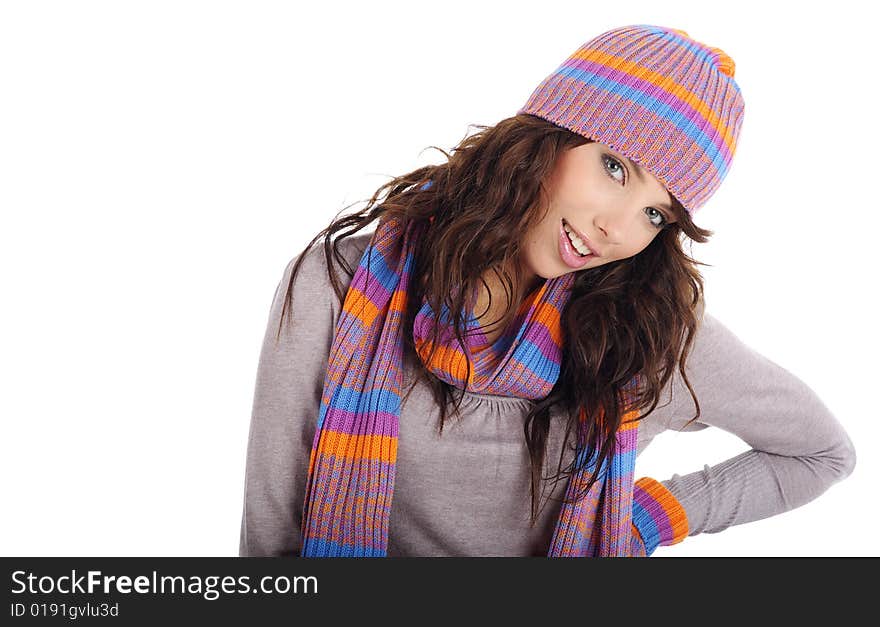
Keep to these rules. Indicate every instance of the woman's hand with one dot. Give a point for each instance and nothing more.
(637, 547)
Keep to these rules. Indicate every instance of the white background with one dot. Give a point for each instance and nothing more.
(161, 162)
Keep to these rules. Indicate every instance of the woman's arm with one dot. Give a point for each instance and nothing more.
(287, 396)
(799, 449)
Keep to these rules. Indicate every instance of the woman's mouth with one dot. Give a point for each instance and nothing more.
(570, 255)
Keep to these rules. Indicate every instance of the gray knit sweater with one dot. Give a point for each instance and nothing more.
(466, 493)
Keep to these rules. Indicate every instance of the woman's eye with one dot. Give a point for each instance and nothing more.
(617, 166)
(660, 215)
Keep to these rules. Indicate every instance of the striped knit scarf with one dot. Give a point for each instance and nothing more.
(352, 463)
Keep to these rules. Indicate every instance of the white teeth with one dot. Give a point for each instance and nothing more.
(576, 241)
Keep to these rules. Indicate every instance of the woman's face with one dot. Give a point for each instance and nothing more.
(616, 205)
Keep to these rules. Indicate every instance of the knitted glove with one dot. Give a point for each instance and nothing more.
(637, 547)
(658, 519)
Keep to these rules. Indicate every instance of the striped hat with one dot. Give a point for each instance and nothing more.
(657, 96)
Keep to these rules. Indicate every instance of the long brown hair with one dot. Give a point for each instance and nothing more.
(634, 317)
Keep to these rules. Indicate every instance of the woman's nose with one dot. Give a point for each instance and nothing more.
(610, 226)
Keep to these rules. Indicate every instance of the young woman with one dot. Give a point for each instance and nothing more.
(478, 374)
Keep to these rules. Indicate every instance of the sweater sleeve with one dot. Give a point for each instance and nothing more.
(798, 448)
(287, 397)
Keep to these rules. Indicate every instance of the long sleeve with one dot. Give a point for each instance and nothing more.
(798, 448)
(287, 396)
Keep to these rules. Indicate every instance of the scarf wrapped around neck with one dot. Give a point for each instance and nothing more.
(350, 482)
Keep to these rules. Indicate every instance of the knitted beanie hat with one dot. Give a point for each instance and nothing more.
(658, 97)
